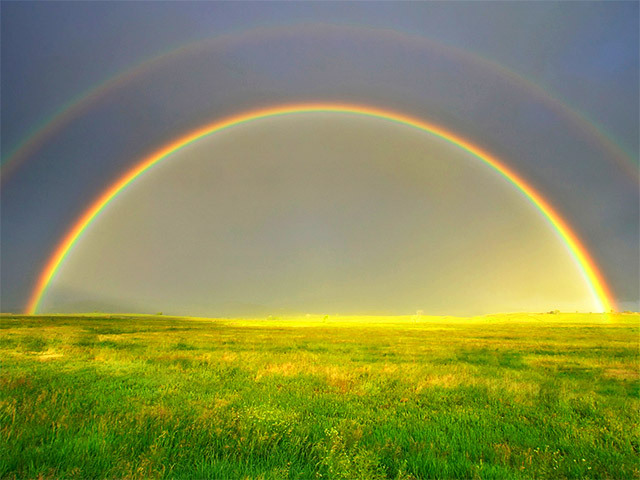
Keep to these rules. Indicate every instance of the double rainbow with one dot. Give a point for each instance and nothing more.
(594, 279)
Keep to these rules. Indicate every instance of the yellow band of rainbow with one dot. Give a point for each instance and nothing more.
(599, 290)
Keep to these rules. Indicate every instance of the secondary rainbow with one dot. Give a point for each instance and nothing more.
(590, 272)
(81, 103)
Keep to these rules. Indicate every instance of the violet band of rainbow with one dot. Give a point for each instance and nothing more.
(591, 274)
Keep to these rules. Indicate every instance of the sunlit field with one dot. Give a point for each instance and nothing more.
(511, 396)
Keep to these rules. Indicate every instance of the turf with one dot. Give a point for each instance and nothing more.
(511, 396)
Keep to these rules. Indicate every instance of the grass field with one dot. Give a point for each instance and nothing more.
(512, 396)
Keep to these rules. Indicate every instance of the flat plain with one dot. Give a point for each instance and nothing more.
(502, 396)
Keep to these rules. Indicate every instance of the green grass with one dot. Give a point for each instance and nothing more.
(512, 396)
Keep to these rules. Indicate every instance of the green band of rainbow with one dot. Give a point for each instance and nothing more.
(594, 279)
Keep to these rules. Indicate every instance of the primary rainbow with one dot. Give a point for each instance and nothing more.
(594, 279)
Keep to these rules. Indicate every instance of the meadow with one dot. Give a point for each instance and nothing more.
(505, 396)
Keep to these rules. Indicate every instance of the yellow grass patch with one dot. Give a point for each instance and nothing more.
(171, 357)
(548, 361)
(503, 452)
(389, 369)
(155, 411)
(622, 373)
(229, 357)
(100, 357)
(523, 392)
(339, 378)
(49, 356)
(448, 380)
(287, 369)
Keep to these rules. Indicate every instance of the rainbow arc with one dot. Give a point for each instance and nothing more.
(600, 292)
(80, 104)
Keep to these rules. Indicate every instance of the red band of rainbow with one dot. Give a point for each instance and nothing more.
(594, 279)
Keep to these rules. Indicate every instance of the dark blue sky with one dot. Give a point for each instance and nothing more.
(584, 54)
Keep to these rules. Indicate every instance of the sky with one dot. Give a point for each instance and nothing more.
(318, 212)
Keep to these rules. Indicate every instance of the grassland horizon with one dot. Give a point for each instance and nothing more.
(520, 395)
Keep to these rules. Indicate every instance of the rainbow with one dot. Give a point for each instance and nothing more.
(594, 279)
(75, 107)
